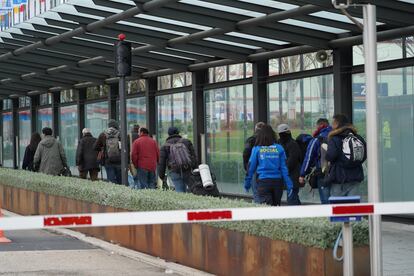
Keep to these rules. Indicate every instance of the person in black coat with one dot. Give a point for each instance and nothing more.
(30, 152)
(86, 156)
(344, 177)
(248, 147)
(293, 161)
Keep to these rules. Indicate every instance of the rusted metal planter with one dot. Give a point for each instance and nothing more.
(218, 251)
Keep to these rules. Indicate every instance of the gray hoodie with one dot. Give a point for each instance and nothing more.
(50, 157)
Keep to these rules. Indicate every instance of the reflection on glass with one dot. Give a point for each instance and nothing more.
(44, 118)
(136, 112)
(290, 64)
(301, 102)
(8, 140)
(69, 95)
(386, 50)
(24, 132)
(174, 110)
(396, 129)
(164, 82)
(24, 101)
(97, 117)
(69, 131)
(229, 122)
(236, 71)
(220, 73)
(273, 66)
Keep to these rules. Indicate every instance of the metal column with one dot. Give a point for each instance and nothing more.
(370, 51)
(124, 132)
(55, 113)
(151, 88)
(112, 98)
(34, 103)
(348, 249)
(260, 101)
(15, 129)
(342, 74)
(81, 110)
(199, 79)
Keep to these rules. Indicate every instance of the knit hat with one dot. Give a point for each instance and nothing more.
(173, 131)
(113, 123)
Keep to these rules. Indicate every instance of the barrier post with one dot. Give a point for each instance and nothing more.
(348, 249)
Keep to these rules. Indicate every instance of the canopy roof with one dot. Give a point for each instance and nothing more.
(72, 44)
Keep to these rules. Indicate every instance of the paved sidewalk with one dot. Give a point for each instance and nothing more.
(398, 249)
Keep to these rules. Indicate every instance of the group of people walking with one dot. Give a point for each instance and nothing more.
(330, 160)
(177, 156)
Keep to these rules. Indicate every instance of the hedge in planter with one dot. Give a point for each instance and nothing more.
(313, 232)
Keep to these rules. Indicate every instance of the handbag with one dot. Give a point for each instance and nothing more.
(65, 171)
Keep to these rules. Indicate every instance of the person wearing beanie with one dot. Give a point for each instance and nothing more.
(179, 174)
(108, 147)
(86, 156)
(293, 161)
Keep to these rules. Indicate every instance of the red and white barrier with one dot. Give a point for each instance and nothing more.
(190, 216)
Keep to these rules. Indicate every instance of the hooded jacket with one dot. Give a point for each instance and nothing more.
(50, 157)
(339, 173)
(100, 144)
(294, 157)
(86, 154)
(165, 152)
(312, 157)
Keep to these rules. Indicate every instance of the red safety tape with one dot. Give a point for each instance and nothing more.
(67, 221)
(360, 209)
(213, 215)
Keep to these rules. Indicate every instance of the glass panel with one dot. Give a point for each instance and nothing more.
(69, 134)
(24, 102)
(135, 86)
(44, 118)
(69, 95)
(236, 71)
(290, 64)
(409, 42)
(45, 99)
(97, 92)
(396, 129)
(229, 122)
(136, 112)
(273, 66)
(97, 117)
(387, 50)
(178, 80)
(211, 78)
(300, 103)
(220, 73)
(249, 70)
(164, 82)
(310, 62)
(189, 78)
(8, 140)
(174, 110)
(7, 104)
(24, 133)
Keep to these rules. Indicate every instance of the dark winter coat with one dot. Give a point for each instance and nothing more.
(100, 145)
(293, 159)
(338, 172)
(86, 154)
(165, 152)
(28, 158)
(248, 147)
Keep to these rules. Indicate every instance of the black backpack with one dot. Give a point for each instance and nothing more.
(113, 150)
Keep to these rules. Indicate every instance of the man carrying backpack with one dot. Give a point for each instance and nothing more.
(145, 156)
(178, 155)
(346, 153)
(315, 160)
(109, 143)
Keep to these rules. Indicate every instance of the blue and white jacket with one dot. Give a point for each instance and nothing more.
(269, 162)
(312, 157)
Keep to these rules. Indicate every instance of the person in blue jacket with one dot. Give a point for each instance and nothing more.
(268, 161)
(313, 159)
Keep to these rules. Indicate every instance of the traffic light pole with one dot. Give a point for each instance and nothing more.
(124, 139)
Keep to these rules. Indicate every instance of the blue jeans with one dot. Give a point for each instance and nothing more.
(256, 198)
(180, 181)
(293, 199)
(113, 174)
(145, 179)
(346, 189)
(324, 191)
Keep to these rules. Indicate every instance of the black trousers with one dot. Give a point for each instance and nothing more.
(270, 191)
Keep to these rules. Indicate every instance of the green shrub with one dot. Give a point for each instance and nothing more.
(314, 232)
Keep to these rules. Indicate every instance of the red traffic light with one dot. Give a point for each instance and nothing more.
(121, 37)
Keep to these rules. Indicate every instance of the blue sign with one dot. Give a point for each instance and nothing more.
(19, 2)
(345, 200)
(359, 89)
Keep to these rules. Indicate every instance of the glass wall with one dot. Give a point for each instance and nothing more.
(174, 110)
(136, 112)
(301, 102)
(69, 133)
(229, 122)
(44, 118)
(7, 139)
(396, 129)
(24, 132)
(96, 117)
